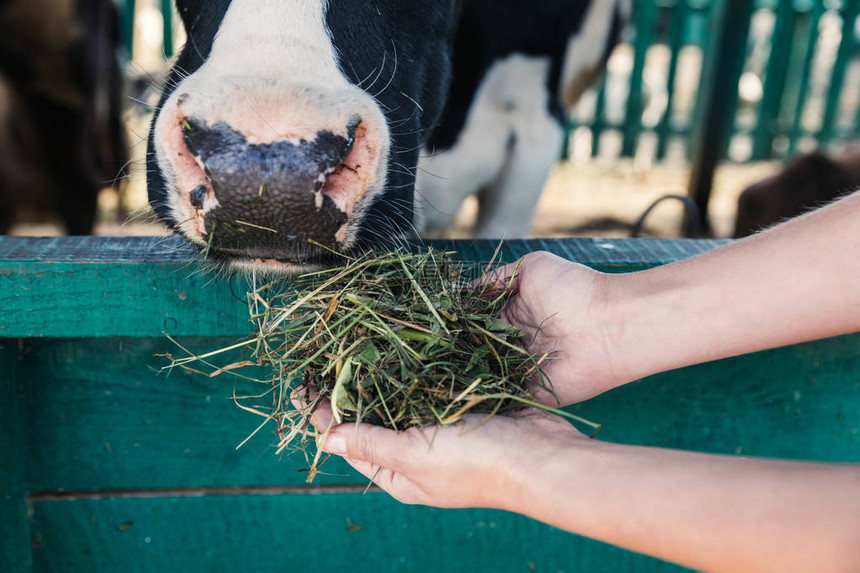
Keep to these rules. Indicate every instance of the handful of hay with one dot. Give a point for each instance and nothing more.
(397, 339)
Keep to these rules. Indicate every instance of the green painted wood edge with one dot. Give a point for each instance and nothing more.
(104, 286)
(127, 15)
(14, 527)
(347, 532)
(101, 417)
(599, 124)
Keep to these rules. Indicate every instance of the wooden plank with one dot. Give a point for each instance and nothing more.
(345, 532)
(97, 286)
(142, 251)
(87, 286)
(104, 418)
(167, 28)
(14, 526)
(799, 402)
(101, 418)
(127, 13)
(599, 124)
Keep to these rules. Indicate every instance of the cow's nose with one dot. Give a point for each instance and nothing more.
(264, 172)
(269, 198)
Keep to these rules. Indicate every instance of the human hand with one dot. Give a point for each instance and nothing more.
(477, 462)
(561, 307)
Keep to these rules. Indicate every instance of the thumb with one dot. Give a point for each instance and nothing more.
(366, 443)
(500, 279)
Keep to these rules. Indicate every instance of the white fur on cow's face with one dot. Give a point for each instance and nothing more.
(507, 148)
(272, 75)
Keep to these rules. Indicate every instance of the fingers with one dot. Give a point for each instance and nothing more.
(366, 443)
(364, 446)
(499, 279)
(509, 276)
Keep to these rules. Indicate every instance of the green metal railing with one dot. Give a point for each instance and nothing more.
(787, 75)
(127, 18)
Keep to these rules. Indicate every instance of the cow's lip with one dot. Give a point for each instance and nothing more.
(309, 255)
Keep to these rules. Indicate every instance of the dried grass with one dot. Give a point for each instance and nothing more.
(395, 339)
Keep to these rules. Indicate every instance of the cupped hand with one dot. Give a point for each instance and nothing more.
(562, 308)
(477, 462)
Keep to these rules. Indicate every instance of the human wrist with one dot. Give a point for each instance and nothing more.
(640, 316)
(553, 479)
(541, 469)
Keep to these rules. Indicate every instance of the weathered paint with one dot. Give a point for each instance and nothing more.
(101, 417)
(97, 286)
(338, 532)
(112, 453)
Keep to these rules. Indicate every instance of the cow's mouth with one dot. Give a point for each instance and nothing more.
(286, 202)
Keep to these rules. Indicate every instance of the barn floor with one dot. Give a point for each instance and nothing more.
(604, 199)
(581, 199)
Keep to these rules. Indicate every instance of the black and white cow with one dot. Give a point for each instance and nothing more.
(518, 68)
(292, 127)
(61, 91)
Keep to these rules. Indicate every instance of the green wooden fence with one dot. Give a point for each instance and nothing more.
(107, 465)
(790, 67)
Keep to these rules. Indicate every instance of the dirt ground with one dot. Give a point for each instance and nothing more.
(600, 199)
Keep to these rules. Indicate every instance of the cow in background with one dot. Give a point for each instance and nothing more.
(807, 182)
(62, 138)
(518, 68)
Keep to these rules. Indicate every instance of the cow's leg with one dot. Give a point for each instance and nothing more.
(72, 164)
(7, 211)
(445, 179)
(508, 204)
(511, 111)
(588, 50)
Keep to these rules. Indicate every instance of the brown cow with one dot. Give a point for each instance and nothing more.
(61, 132)
(807, 182)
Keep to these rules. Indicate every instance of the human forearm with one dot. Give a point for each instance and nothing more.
(799, 281)
(714, 513)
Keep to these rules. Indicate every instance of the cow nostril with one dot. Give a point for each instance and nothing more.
(198, 196)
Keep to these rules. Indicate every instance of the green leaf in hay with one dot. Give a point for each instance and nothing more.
(340, 397)
(370, 354)
(499, 326)
(442, 302)
(478, 363)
